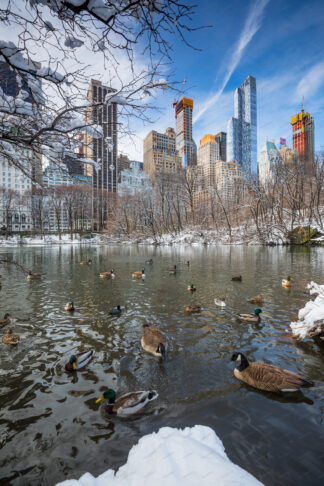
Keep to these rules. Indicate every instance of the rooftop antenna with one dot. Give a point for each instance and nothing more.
(303, 104)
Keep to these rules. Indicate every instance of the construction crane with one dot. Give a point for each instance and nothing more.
(176, 100)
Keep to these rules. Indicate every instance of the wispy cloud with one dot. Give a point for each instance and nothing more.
(251, 26)
(311, 82)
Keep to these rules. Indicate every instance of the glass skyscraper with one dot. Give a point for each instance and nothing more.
(242, 128)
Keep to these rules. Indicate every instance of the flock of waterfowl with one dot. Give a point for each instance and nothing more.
(262, 376)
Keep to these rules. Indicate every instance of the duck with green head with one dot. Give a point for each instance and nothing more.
(78, 361)
(251, 317)
(69, 306)
(191, 287)
(128, 404)
(287, 283)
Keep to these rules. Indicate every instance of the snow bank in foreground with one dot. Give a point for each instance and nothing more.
(195, 456)
(310, 317)
(48, 240)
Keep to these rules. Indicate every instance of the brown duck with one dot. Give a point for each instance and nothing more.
(5, 321)
(153, 341)
(267, 377)
(258, 299)
(193, 308)
(10, 337)
(32, 275)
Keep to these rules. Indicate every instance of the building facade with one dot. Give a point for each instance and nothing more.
(209, 152)
(269, 160)
(303, 136)
(185, 144)
(242, 128)
(221, 138)
(134, 180)
(160, 154)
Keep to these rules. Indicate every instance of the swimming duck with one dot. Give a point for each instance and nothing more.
(128, 404)
(173, 270)
(237, 278)
(192, 308)
(139, 274)
(11, 338)
(32, 275)
(258, 299)
(188, 263)
(191, 287)
(110, 274)
(251, 317)
(149, 261)
(153, 341)
(116, 312)
(220, 302)
(286, 283)
(267, 377)
(85, 262)
(69, 306)
(79, 361)
(5, 321)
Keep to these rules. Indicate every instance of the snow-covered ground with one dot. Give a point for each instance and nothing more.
(48, 240)
(192, 456)
(310, 317)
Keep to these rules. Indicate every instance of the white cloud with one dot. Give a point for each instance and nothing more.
(311, 82)
(251, 26)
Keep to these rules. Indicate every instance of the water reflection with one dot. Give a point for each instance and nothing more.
(51, 427)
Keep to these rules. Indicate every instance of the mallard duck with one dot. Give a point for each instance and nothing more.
(69, 306)
(153, 341)
(110, 274)
(191, 287)
(85, 262)
(116, 312)
(220, 301)
(5, 321)
(11, 338)
(286, 283)
(149, 261)
(192, 308)
(32, 275)
(79, 361)
(173, 270)
(139, 274)
(237, 278)
(251, 317)
(267, 377)
(256, 300)
(128, 404)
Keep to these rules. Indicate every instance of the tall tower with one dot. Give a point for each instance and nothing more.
(303, 135)
(242, 128)
(185, 145)
(221, 139)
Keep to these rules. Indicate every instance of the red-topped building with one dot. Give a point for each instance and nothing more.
(303, 135)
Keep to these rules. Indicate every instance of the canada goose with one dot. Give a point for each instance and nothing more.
(32, 275)
(258, 299)
(11, 338)
(110, 274)
(251, 317)
(69, 306)
(128, 404)
(79, 361)
(116, 312)
(286, 283)
(220, 302)
(267, 377)
(139, 274)
(173, 270)
(85, 262)
(192, 308)
(5, 321)
(192, 288)
(237, 278)
(153, 341)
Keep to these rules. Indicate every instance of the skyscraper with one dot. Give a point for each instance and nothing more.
(160, 154)
(269, 160)
(221, 139)
(303, 135)
(185, 145)
(242, 128)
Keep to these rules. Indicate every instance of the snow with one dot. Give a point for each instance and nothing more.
(52, 239)
(193, 456)
(310, 317)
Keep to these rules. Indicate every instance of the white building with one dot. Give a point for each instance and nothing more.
(133, 180)
(15, 186)
(268, 160)
(55, 175)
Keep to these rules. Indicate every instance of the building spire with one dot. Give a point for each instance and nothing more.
(302, 108)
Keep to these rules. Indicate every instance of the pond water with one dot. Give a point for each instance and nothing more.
(52, 429)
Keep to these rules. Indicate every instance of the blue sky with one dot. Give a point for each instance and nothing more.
(279, 42)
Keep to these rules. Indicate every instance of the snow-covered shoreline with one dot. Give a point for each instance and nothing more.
(192, 456)
(311, 317)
